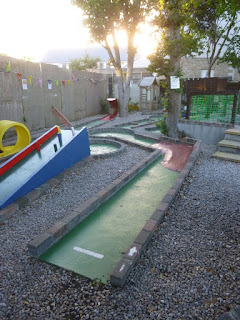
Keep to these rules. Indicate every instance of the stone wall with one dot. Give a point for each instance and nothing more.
(192, 68)
(207, 132)
(75, 99)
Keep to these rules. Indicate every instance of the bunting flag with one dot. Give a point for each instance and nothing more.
(24, 84)
(40, 82)
(9, 68)
(49, 84)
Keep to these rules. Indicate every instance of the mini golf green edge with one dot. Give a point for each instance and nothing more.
(124, 136)
(97, 149)
(96, 245)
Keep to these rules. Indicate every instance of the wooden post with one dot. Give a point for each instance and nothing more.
(188, 106)
(234, 109)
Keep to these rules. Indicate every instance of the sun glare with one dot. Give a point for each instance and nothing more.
(34, 27)
(145, 40)
(30, 28)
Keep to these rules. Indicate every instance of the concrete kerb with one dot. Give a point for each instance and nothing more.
(91, 132)
(8, 212)
(233, 314)
(152, 128)
(48, 238)
(131, 123)
(137, 123)
(84, 123)
(124, 267)
(212, 124)
(121, 147)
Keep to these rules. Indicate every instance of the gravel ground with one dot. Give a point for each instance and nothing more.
(190, 269)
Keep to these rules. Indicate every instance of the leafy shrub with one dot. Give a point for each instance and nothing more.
(133, 107)
(161, 125)
(104, 105)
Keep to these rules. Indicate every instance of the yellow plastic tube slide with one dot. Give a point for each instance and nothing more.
(23, 137)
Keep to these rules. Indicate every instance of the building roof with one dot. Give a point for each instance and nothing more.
(148, 82)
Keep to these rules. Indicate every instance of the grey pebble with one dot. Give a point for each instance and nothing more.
(190, 269)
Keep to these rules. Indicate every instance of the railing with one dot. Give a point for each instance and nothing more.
(215, 108)
(213, 99)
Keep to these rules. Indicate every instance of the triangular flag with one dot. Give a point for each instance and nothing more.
(30, 80)
(19, 75)
(24, 84)
(9, 68)
(63, 82)
(40, 82)
(56, 83)
(68, 81)
(50, 84)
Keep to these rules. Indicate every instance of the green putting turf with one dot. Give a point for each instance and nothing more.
(90, 124)
(94, 248)
(124, 136)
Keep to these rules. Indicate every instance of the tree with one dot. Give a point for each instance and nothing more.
(84, 63)
(174, 20)
(232, 54)
(29, 59)
(217, 22)
(103, 18)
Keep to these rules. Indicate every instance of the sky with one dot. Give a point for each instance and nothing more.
(29, 28)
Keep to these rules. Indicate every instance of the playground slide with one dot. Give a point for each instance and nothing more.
(23, 137)
(113, 111)
(40, 161)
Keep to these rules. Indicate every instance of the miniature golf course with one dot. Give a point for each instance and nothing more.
(124, 136)
(97, 149)
(42, 163)
(95, 246)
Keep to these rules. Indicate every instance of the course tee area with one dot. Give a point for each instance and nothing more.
(102, 239)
